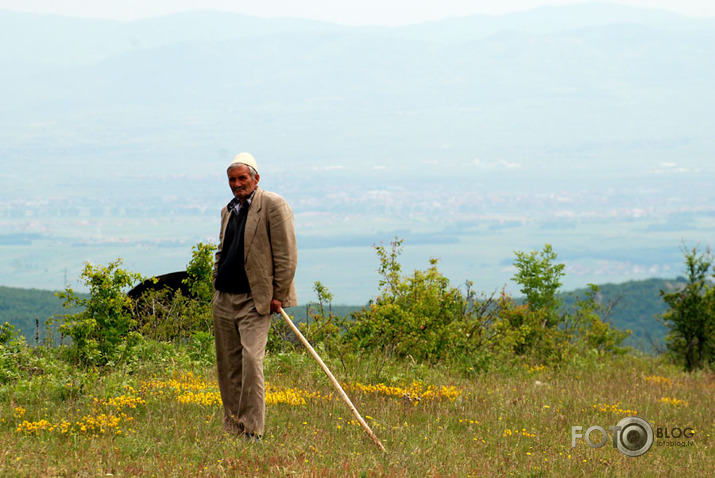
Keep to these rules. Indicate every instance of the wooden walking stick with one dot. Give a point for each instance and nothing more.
(335, 383)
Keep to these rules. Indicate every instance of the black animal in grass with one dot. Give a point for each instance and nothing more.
(173, 281)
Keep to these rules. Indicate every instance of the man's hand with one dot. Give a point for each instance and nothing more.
(276, 306)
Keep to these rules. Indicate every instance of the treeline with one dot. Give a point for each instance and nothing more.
(633, 305)
(28, 310)
(418, 316)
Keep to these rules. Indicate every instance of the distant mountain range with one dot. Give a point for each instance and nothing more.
(635, 306)
(190, 85)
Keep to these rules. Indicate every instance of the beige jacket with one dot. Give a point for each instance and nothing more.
(271, 252)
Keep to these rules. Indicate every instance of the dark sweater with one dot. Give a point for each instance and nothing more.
(231, 274)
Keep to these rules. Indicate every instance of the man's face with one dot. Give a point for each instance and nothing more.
(241, 182)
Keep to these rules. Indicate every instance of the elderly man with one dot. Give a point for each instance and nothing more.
(253, 277)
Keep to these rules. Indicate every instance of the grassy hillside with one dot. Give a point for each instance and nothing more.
(163, 418)
(27, 308)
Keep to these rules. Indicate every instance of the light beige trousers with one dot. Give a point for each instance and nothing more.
(241, 336)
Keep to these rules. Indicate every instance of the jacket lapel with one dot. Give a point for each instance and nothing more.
(252, 221)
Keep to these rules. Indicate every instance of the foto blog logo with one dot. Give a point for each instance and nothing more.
(633, 436)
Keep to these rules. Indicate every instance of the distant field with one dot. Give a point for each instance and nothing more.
(594, 251)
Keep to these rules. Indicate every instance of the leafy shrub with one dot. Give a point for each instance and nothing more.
(524, 331)
(11, 348)
(420, 316)
(540, 280)
(200, 273)
(541, 327)
(19, 361)
(280, 337)
(102, 332)
(322, 326)
(424, 318)
(690, 317)
(589, 330)
(201, 347)
(8, 334)
(200, 284)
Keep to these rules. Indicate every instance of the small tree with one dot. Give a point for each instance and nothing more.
(321, 325)
(419, 315)
(200, 272)
(691, 313)
(200, 284)
(102, 332)
(12, 353)
(540, 280)
(542, 327)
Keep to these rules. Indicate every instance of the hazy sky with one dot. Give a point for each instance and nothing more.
(352, 12)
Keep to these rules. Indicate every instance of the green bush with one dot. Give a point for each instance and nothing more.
(419, 316)
(588, 329)
(200, 284)
(540, 280)
(102, 333)
(524, 332)
(11, 353)
(8, 334)
(690, 317)
(20, 362)
(200, 273)
(321, 325)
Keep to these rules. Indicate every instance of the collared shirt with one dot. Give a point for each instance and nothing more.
(235, 204)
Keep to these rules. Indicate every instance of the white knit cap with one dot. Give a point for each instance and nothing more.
(244, 158)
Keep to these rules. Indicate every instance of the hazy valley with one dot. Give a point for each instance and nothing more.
(586, 127)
